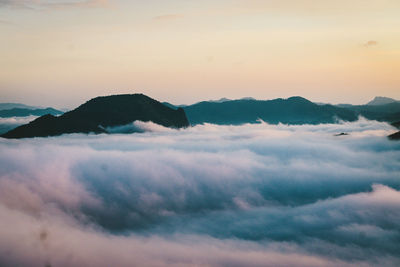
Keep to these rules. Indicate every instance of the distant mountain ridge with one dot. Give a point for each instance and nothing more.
(385, 112)
(224, 99)
(294, 110)
(381, 100)
(23, 112)
(101, 112)
(16, 105)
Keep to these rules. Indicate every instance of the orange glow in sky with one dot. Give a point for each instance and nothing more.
(61, 53)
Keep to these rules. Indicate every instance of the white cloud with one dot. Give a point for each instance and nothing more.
(251, 195)
(17, 120)
(7, 124)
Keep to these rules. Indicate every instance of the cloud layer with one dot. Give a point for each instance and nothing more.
(251, 195)
(53, 4)
(7, 124)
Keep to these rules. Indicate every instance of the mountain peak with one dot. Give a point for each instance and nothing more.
(100, 112)
(381, 100)
(221, 100)
(299, 99)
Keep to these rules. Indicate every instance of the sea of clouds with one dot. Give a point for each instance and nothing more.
(209, 195)
(7, 124)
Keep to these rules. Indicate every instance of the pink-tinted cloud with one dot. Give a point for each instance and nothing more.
(370, 43)
(209, 195)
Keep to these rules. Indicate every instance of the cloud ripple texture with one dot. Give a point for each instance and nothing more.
(209, 195)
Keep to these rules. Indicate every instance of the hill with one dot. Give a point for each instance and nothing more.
(15, 105)
(381, 100)
(395, 136)
(386, 112)
(294, 110)
(101, 112)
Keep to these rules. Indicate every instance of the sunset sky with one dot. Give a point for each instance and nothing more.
(62, 53)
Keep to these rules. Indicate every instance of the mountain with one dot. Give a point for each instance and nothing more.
(247, 98)
(396, 124)
(395, 136)
(101, 112)
(224, 99)
(173, 106)
(294, 110)
(221, 100)
(386, 112)
(381, 100)
(23, 112)
(15, 105)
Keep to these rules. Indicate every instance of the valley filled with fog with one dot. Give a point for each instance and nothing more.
(207, 195)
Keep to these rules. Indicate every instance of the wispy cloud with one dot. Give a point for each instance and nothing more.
(370, 43)
(169, 17)
(6, 22)
(80, 4)
(46, 4)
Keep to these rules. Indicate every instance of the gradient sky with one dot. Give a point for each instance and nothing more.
(62, 53)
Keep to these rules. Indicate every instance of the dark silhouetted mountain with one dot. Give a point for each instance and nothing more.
(381, 100)
(221, 100)
(224, 99)
(23, 112)
(101, 112)
(294, 110)
(341, 134)
(395, 136)
(386, 112)
(171, 105)
(339, 105)
(15, 105)
(396, 124)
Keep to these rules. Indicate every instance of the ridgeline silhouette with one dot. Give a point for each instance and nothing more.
(101, 112)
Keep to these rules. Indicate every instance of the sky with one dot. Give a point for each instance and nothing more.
(208, 195)
(61, 53)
